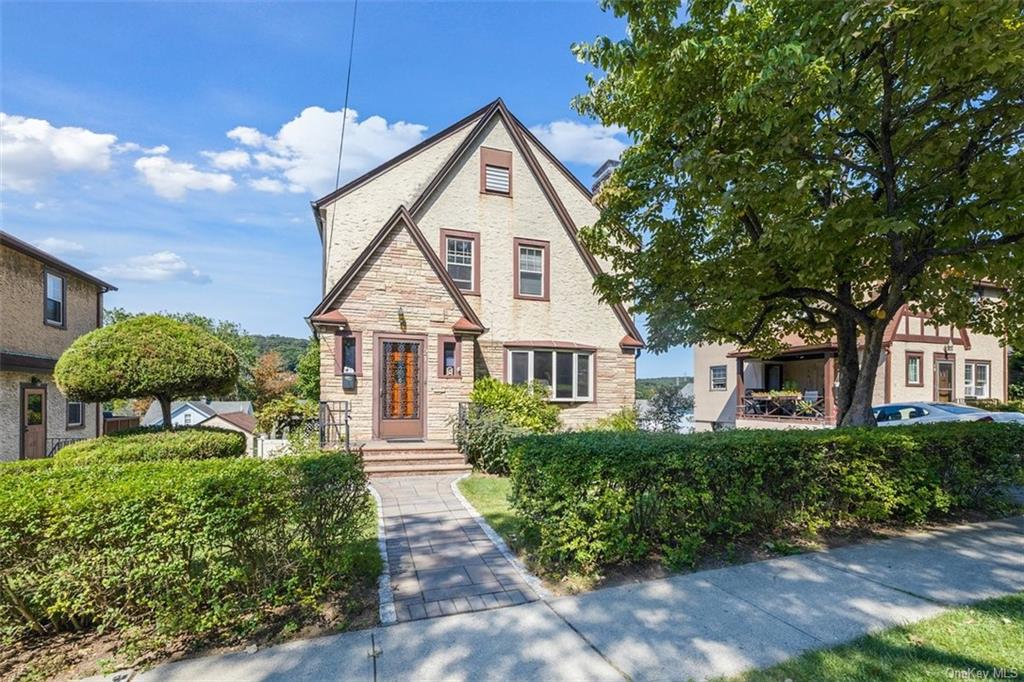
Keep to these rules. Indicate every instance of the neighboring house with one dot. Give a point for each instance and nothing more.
(45, 304)
(920, 362)
(193, 412)
(647, 422)
(242, 422)
(460, 259)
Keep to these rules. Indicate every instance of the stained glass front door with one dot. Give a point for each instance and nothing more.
(400, 389)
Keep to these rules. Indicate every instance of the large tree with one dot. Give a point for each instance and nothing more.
(811, 167)
(146, 356)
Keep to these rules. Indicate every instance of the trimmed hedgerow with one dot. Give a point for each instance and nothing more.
(152, 443)
(189, 546)
(600, 498)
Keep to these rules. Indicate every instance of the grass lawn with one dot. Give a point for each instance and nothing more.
(489, 494)
(984, 641)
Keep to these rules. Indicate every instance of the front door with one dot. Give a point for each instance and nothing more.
(400, 388)
(33, 422)
(944, 381)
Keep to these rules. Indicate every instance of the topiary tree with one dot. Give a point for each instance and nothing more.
(145, 356)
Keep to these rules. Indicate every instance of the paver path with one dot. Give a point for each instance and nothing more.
(441, 561)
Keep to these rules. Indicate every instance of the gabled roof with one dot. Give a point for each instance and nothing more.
(401, 217)
(24, 247)
(208, 409)
(244, 421)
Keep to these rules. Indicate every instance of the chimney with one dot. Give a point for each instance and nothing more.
(603, 174)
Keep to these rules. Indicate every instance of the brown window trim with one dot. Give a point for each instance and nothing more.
(500, 159)
(475, 238)
(67, 423)
(441, 340)
(339, 337)
(64, 299)
(920, 368)
(545, 280)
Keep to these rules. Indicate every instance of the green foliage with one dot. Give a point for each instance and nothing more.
(667, 408)
(190, 546)
(624, 420)
(484, 438)
(245, 345)
(146, 356)
(308, 372)
(284, 414)
(595, 499)
(998, 405)
(811, 167)
(645, 387)
(290, 348)
(153, 443)
(523, 405)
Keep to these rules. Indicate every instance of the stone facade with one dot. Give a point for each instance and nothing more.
(26, 338)
(399, 276)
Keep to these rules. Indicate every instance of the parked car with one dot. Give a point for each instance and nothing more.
(898, 414)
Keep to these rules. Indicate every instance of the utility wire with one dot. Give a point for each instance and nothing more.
(348, 83)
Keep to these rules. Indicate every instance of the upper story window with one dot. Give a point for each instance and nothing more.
(567, 375)
(461, 254)
(495, 171)
(718, 377)
(53, 303)
(188, 419)
(531, 261)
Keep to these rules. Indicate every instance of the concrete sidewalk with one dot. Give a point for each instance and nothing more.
(691, 626)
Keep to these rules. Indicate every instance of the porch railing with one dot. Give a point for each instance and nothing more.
(53, 445)
(334, 424)
(783, 407)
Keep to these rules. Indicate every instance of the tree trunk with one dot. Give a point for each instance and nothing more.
(165, 408)
(861, 389)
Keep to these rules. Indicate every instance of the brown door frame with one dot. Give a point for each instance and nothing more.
(26, 386)
(378, 377)
(937, 359)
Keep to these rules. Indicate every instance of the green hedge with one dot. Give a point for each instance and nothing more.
(997, 405)
(190, 546)
(602, 498)
(152, 443)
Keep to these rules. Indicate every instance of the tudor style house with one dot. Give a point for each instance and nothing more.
(45, 304)
(921, 362)
(460, 259)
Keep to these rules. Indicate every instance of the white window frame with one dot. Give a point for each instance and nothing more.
(530, 353)
(186, 419)
(81, 414)
(472, 260)
(540, 271)
(971, 379)
(725, 377)
(47, 274)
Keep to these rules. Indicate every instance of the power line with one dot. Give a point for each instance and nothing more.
(348, 84)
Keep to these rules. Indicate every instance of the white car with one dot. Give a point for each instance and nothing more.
(897, 414)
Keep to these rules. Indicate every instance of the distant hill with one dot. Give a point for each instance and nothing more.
(290, 348)
(645, 387)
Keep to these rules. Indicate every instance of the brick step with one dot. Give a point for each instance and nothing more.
(414, 457)
(424, 469)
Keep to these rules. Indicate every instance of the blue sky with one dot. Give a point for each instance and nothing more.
(117, 154)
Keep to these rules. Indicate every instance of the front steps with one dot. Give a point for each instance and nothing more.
(424, 458)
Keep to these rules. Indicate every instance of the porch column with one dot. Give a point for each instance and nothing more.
(830, 379)
(739, 387)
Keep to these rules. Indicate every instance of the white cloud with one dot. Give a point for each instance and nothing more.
(60, 247)
(233, 159)
(267, 185)
(591, 144)
(303, 154)
(136, 147)
(172, 179)
(34, 151)
(162, 266)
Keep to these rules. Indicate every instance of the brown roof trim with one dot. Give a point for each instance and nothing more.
(553, 159)
(465, 326)
(394, 161)
(10, 361)
(628, 341)
(515, 130)
(13, 242)
(331, 317)
(400, 216)
(792, 350)
(567, 345)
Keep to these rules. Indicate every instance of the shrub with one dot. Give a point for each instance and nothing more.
(521, 405)
(624, 420)
(484, 438)
(284, 414)
(668, 407)
(191, 547)
(152, 443)
(601, 498)
(998, 406)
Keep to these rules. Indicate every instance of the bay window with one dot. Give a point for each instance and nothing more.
(566, 375)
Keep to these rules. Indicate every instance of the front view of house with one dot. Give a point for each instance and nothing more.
(460, 259)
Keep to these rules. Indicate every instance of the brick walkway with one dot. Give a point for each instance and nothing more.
(441, 562)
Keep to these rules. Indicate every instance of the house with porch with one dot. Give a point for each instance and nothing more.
(456, 260)
(45, 304)
(921, 361)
